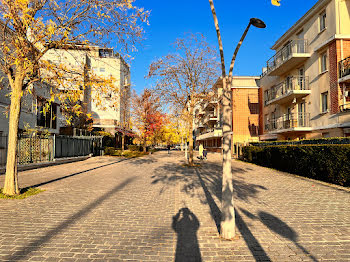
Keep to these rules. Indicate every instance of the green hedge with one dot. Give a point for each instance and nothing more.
(320, 141)
(329, 163)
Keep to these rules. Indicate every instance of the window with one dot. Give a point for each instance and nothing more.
(323, 62)
(322, 21)
(324, 102)
(253, 108)
(102, 69)
(325, 135)
(266, 97)
(46, 114)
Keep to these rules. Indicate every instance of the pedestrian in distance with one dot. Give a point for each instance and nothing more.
(205, 153)
(201, 149)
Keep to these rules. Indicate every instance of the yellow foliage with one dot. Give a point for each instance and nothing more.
(276, 2)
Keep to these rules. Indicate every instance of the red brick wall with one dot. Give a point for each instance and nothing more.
(335, 49)
(333, 77)
(261, 114)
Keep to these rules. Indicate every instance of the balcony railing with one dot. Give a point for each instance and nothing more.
(210, 116)
(345, 107)
(295, 83)
(288, 121)
(344, 67)
(299, 46)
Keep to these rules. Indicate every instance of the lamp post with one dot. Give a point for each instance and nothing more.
(227, 226)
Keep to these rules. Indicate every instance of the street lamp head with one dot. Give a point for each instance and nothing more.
(257, 22)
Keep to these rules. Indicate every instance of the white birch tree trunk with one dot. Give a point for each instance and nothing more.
(227, 227)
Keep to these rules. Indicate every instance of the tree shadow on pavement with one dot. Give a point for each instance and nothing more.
(74, 174)
(253, 244)
(142, 161)
(278, 226)
(171, 174)
(36, 244)
(186, 225)
(209, 178)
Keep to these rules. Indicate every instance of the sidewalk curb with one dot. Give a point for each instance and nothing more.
(58, 161)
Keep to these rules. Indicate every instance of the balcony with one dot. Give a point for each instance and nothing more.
(344, 107)
(289, 123)
(288, 57)
(210, 133)
(210, 117)
(285, 92)
(344, 70)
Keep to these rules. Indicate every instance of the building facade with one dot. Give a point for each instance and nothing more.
(35, 115)
(305, 85)
(109, 107)
(245, 115)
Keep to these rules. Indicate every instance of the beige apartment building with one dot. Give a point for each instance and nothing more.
(245, 115)
(305, 85)
(109, 108)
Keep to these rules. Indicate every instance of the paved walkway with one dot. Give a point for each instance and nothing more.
(155, 209)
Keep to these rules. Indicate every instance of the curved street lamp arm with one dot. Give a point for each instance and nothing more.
(236, 50)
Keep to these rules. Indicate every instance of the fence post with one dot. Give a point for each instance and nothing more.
(54, 147)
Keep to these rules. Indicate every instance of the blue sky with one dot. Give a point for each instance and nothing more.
(170, 19)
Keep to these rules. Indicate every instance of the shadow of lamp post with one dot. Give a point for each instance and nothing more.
(227, 227)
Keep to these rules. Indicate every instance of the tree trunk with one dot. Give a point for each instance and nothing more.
(11, 177)
(227, 227)
(144, 145)
(190, 147)
(123, 141)
(182, 143)
(186, 151)
(227, 203)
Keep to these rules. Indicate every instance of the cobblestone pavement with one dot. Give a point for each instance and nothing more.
(156, 209)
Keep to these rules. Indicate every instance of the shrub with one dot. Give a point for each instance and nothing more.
(328, 163)
(135, 148)
(319, 141)
(109, 150)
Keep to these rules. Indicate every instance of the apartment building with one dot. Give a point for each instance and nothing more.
(109, 107)
(32, 116)
(245, 115)
(305, 85)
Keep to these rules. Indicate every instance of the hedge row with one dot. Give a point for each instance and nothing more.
(329, 163)
(320, 141)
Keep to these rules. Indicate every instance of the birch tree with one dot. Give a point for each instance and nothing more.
(31, 28)
(227, 226)
(185, 77)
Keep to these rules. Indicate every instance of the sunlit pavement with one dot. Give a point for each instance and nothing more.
(155, 209)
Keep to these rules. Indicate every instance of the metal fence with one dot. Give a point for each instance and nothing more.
(35, 149)
(46, 149)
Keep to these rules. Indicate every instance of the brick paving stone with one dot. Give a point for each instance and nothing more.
(156, 209)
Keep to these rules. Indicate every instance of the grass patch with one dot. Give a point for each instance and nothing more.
(24, 193)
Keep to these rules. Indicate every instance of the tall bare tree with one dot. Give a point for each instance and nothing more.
(185, 78)
(30, 28)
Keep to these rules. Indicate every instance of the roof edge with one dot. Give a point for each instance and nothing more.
(319, 5)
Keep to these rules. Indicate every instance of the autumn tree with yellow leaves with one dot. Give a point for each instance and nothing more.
(29, 29)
